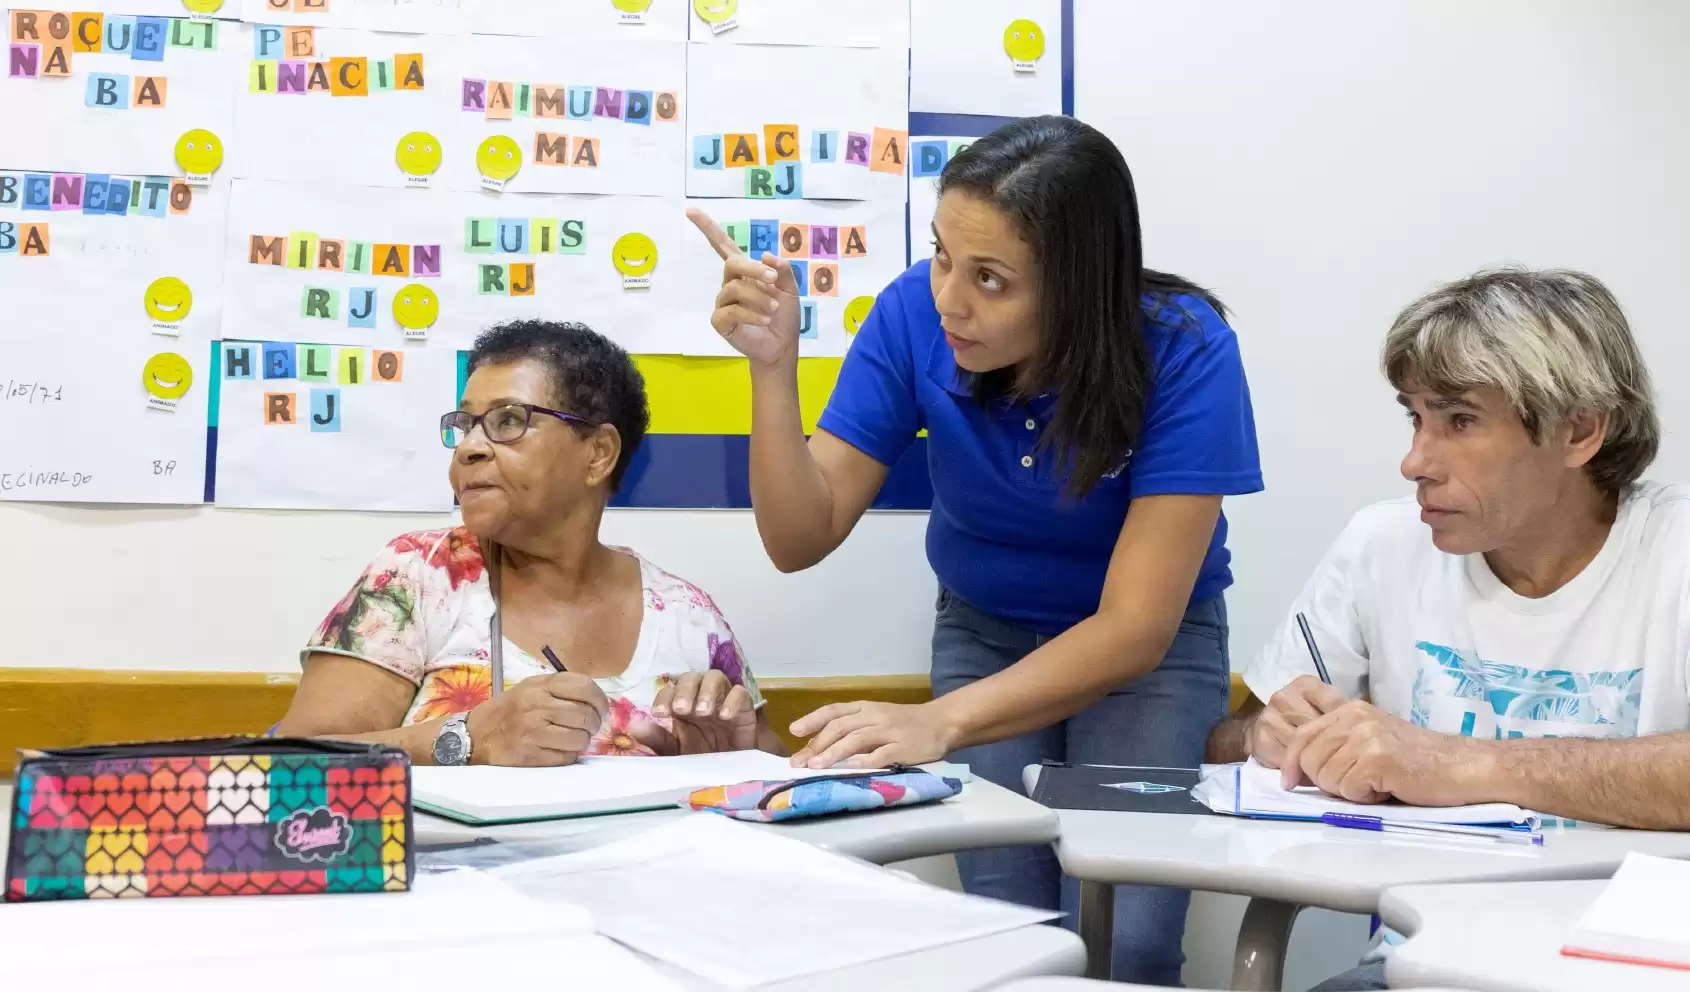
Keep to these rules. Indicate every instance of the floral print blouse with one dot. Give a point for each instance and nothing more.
(423, 610)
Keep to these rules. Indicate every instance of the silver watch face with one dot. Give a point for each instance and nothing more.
(449, 747)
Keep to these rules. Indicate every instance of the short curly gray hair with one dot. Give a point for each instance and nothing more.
(1553, 341)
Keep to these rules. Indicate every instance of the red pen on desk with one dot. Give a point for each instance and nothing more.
(552, 659)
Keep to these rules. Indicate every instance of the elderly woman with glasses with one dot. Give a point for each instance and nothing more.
(598, 650)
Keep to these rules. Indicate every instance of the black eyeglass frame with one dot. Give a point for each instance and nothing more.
(456, 421)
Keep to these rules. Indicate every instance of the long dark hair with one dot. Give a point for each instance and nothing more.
(1069, 191)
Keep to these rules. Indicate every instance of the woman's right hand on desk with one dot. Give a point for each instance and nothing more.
(757, 309)
(1305, 699)
(544, 720)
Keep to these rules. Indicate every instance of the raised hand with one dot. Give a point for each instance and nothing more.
(757, 309)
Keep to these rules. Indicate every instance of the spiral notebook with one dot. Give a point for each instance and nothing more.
(483, 795)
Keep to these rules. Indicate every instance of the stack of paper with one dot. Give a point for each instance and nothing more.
(1639, 917)
(1254, 790)
(716, 898)
(462, 930)
(482, 794)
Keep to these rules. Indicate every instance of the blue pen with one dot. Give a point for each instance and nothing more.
(1357, 821)
(1314, 651)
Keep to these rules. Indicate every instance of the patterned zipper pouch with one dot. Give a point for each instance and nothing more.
(221, 817)
(825, 795)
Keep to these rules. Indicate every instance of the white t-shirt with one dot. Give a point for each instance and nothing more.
(1438, 640)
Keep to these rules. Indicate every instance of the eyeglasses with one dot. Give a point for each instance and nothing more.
(501, 425)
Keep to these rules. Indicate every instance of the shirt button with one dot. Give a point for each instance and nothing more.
(1026, 461)
(1032, 424)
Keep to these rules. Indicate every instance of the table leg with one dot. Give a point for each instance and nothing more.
(1258, 964)
(1097, 927)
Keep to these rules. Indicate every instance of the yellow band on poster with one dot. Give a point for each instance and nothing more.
(713, 395)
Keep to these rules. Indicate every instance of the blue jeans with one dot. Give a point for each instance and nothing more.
(1161, 719)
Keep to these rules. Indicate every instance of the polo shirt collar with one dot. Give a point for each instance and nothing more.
(942, 368)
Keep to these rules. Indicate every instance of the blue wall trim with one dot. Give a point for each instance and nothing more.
(955, 125)
(713, 471)
(1068, 57)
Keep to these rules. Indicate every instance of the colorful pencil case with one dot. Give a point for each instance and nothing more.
(771, 802)
(221, 817)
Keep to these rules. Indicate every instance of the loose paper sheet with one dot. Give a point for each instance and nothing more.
(445, 17)
(584, 20)
(843, 253)
(961, 61)
(600, 116)
(343, 105)
(571, 257)
(856, 24)
(105, 343)
(790, 123)
(640, 891)
(315, 262)
(333, 426)
(95, 92)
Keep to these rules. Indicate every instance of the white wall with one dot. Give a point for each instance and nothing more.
(240, 590)
(1320, 163)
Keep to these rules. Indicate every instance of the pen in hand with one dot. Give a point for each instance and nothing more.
(1314, 651)
(552, 659)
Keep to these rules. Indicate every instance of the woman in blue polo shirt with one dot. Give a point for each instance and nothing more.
(1085, 416)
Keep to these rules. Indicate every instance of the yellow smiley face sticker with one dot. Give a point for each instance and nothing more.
(418, 154)
(1024, 40)
(203, 6)
(199, 152)
(168, 300)
(634, 255)
(415, 307)
(498, 157)
(631, 6)
(715, 11)
(167, 375)
(856, 313)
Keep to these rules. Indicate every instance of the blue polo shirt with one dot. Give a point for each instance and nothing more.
(1005, 535)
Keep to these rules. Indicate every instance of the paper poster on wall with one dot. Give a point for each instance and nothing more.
(606, 117)
(309, 262)
(306, 425)
(928, 157)
(583, 20)
(768, 122)
(88, 91)
(1000, 57)
(842, 253)
(857, 24)
(112, 288)
(444, 17)
(614, 263)
(352, 106)
(228, 9)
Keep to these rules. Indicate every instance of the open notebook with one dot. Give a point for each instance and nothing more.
(1639, 917)
(1253, 790)
(482, 795)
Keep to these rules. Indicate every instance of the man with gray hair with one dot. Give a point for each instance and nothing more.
(1520, 629)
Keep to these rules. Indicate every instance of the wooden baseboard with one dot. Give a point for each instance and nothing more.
(66, 707)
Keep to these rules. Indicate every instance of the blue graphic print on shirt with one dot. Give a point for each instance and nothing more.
(1507, 701)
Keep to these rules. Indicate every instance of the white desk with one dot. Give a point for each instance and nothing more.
(1505, 938)
(984, 815)
(1286, 866)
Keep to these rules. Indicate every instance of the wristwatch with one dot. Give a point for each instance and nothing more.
(451, 745)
